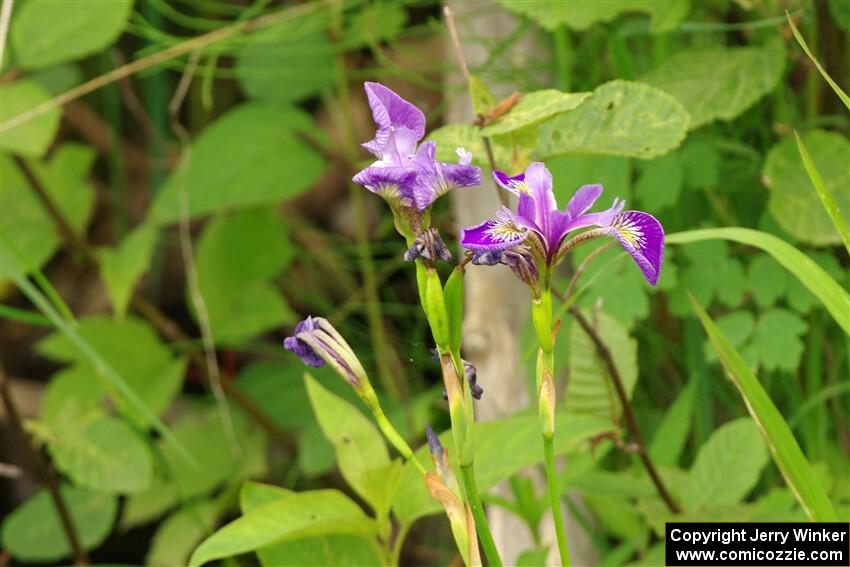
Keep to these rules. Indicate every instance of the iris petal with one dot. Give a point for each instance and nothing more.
(493, 234)
(642, 236)
(394, 184)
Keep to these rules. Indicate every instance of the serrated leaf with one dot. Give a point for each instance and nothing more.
(31, 230)
(33, 137)
(792, 199)
(286, 66)
(580, 15)
(620, 118)
(47, 33)
(533, 108)
(767, 281)
(302, 515)
(227, 169)
(727, 466)
(719, 82)
(589, 389)
(777, 339)
(180, 533)
(240, 299)
(33, 532)
(786, 453)
(502, 448)
(122, 266)
(360, 449)
(102, 454)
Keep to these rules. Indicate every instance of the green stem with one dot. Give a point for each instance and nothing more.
(485, 538)
(555, 499)
(395, 438)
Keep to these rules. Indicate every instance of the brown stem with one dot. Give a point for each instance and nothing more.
(42, 469)
(150, 312)
(628, 413)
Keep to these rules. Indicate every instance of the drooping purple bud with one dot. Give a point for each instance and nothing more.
(430, 246)
(434, 446)
(302, 349)
(522, 263)
(317, 342)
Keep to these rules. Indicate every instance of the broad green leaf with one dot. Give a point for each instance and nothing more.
(302, 515)
(482, 99)
(101, 366)
(727, 466)
(834, 298)
(701, 160)
(375, 22)
(103, 454)
(672, 434)
(333, 549)
(240, 299)
(619, 118)
(589, 389)
(33, 532)
(31, 230)
(227, 169)
(784, 449)
(286, 67)
(123, 265)
(618, 518)
(827, 199)
(719, 82)
(533, 108)
(58, 79)
(570, 172)
(31, 138)
(778, 339)
(360, 449)
(580, 14)
(792, 201)
(841, 18)
(467, 136)
(132, 348)
(767, 280)
(660, 182)
(46, 33)
(502, 448)
(180, 533)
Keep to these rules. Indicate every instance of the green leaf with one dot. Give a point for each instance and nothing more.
(719, 82)
(33, 532)
(133, 349)
(660, 182)
(482, 99)
(301, 515)
(784, 449)
(767, 281)
(799, 37)
(102, 453)
(777, 339)
(360, 449)
(180, 533)
(701, 160)
(256, 494)
(738, 326)
(825, 193)
(533, 108)
(286, 67)
(31, 138)
(227, 169)
(801, 299)
(672, 434)
(45, 33)
(615, 281)
(31, 230)
(618, 518)
(502, 448)
(573, 171)
(580, 15)
(620, 118)
(241, 301)
(589, 389)
(374, 23)
(122, 266)
(727, 466)
(792, 203)
(832, 295)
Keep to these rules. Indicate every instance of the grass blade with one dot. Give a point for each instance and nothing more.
(831, 294)
(783, 446)
(799, 37)
(824, 193)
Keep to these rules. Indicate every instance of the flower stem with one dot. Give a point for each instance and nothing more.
(395, 438)
(485, 538)
(555, 499)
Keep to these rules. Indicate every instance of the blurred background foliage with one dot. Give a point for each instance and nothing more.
(181, 218)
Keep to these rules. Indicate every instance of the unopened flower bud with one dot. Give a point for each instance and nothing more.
(429, 246)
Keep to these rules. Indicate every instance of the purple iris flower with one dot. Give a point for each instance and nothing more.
(542, 228)
(404, 175)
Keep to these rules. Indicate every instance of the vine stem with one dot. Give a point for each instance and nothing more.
(42, 468)
(485, 538)
(555, 499)
(628, 412)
